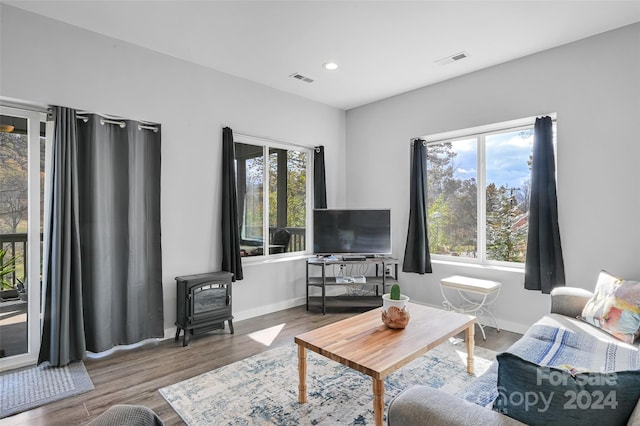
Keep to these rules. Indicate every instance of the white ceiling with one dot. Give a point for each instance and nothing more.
(383, 48)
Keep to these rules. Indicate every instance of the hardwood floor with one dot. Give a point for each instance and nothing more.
(134, 377)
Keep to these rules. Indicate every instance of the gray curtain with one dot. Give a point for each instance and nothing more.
(119, 193)
(544, 265)
(417, 258)
(63, 334)
(319, 179)
(231, 260)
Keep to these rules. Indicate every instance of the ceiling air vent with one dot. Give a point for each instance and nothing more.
(452, 58)
(301, 77)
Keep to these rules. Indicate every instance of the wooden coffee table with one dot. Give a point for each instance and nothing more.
(365, 344)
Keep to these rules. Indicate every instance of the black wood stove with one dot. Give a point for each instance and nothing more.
(204, 303)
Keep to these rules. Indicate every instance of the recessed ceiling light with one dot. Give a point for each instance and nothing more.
(330, 66)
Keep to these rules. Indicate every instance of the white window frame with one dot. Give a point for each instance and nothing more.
(266, 145)
(34, 318)
(481, 133)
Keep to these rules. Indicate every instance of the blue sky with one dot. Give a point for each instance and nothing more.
(507, 155)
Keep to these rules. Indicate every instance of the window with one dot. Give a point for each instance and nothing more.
(23, 145)
(478, 189)
(273, 206)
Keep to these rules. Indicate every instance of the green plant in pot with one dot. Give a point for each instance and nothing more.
(7, 266)
(394, 308)
(395, 292)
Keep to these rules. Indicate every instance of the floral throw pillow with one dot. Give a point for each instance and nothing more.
(615, 307)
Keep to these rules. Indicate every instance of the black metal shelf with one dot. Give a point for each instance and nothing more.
(376, 283)
(344, 302)
(319, 282)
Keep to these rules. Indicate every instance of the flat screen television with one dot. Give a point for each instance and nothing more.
(350, 231)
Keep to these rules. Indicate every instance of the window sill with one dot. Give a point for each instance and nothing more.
(512, 269)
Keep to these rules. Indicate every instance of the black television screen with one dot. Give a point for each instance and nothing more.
(366, 231)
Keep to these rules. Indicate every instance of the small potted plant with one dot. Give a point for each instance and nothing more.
(394, 308)
(7, 266)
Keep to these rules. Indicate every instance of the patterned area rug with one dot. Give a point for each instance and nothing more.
(263, 389)
(27, 388)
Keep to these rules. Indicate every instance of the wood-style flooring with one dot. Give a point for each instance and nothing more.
(134, 376)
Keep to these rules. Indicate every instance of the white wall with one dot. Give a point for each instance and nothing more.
(593, 86)
(48, 62)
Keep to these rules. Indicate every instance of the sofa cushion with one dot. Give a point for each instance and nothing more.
(423, 405)
(615, 307)
(557, 340)
(130, 415)
(547, 395)
(582, 331)
(550, 357)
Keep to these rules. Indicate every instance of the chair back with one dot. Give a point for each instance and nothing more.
(281, 239)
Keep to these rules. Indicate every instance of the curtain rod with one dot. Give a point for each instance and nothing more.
(272, 140)
(9, 103)
(115, 117)
(478, 130)
(122, 124)
(152, 128)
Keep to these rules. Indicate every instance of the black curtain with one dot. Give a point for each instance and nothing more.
(119, 192)
(416, 255)
(544, 266)
(103, 260)
(319, 179)
(231, 260)
(63, 335)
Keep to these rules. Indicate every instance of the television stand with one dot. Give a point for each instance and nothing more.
(353, 257)
(374, 283)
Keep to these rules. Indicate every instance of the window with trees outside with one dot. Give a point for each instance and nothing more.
(478, 188)
(23, 144)
(274, 179)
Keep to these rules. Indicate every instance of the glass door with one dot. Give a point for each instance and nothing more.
(22, 158)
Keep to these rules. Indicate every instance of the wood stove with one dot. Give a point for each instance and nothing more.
(204, 303)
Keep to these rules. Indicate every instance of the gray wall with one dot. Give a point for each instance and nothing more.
(594, 88)
(48, 62)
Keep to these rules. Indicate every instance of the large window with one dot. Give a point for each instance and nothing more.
(273, 201)
(23, 145)
(478, 189)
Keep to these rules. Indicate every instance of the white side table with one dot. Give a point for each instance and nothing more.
(486, 293)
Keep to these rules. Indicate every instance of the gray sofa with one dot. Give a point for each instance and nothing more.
(422, 405)
(127, 415)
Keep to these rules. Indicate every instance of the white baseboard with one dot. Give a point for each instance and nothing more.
(169, 333)
(506, 325)
(268, 309)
